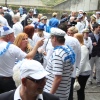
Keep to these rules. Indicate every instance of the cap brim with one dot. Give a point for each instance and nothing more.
(39, 75)
(39, 28)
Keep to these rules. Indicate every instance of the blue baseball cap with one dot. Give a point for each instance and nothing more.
(41, 26)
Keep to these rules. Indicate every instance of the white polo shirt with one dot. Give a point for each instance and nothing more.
(7, 60)
(17, 95)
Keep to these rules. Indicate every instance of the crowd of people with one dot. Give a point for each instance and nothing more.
(41, 58)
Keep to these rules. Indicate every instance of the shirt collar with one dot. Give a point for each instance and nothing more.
(17, 95)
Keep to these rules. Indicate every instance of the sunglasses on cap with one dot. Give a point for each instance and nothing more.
(37, 81)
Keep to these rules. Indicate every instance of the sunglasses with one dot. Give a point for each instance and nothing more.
(37, 81)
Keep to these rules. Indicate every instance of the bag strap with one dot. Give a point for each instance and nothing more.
(46, 44)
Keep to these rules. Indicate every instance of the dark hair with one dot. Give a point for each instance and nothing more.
(95, 25)
(64, 15)
(29, 30)
(2, 12)
(60, 39)
(63, 26)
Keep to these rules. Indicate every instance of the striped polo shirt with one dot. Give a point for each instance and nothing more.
(57, 65)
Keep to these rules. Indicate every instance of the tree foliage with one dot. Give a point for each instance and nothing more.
(52, 2)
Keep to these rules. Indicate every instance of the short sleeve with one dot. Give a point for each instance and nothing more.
(57, 65)
(18, 53)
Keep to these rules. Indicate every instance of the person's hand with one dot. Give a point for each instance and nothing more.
(40, 42)
(94, 43)
(44, 53)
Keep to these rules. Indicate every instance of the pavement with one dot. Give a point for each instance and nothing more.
(92, 92)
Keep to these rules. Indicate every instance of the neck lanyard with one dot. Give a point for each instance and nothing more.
(5, 49)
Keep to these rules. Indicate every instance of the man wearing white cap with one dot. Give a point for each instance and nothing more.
(60, 66)
(33, 79)
(8, 54)
(82, 23)
(43, 20)
(74, 43)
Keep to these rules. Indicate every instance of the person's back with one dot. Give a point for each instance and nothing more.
(18, 28)
(3, 20)
(53, 22)
(21, 10)
(54, 67)
(9, 18)
(60, 66)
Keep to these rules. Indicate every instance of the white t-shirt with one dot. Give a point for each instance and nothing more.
(36, 37)
(3, 21)
(74, 43)
(31, 42)
(57, 66)
(7, 60)
(18, 28)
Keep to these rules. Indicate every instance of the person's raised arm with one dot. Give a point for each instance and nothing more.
(32, 53)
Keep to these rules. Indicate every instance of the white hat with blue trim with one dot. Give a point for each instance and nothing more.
(5, 30)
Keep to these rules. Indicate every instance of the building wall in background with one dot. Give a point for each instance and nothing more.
(75, 5)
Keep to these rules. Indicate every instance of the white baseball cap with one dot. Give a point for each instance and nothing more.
(57, 32)
(5, 30)
(98, 12)
(5, 8)
(80, 10)
(43, 17)
(32, 68)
